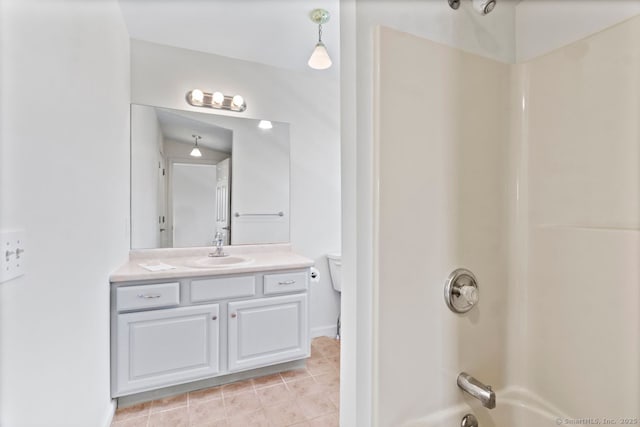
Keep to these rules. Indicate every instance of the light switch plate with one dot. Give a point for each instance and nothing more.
(12, 254)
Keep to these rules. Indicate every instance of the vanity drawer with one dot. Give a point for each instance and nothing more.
(222, 288)
(147, 296)
(285, 282)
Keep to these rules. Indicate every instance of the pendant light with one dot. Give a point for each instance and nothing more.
(319, 59)
(196, 151)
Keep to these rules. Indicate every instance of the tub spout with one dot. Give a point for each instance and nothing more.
(478, 390)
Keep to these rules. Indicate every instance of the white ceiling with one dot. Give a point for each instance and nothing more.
(272, 32)
(216, 130)
(180, 126)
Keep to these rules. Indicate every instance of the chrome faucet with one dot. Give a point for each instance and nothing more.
(218, 241)
(478, 390)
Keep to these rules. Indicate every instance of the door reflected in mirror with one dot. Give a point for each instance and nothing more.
(239, 185)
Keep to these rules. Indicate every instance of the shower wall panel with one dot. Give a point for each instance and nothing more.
(583, 287)
(441, 203)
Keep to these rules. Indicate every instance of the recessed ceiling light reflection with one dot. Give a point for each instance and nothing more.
(265, 124)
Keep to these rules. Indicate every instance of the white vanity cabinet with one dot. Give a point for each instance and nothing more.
(267, 330)
(188, 329)
(160, 347)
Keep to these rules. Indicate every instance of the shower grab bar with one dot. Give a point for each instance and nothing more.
(238, 214)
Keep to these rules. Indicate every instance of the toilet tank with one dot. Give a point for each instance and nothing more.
(335, 268)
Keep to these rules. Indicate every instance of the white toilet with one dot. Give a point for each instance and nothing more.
(335, 268)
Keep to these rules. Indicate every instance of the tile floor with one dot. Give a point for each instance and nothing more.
(303, 398)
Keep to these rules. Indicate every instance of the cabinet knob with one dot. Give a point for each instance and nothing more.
(214, 318)
(234, 315)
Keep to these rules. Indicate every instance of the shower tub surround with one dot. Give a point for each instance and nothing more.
(195, 325)
(527, 175)
(516, 407)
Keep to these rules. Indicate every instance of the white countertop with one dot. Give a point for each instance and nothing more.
(264, 258)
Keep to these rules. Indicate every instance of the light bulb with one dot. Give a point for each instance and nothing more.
(196, 152)
(218, 98)
(197, 96)
(265, 124)
(320, 59)
(238, 101)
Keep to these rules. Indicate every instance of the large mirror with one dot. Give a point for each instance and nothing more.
(239, 185)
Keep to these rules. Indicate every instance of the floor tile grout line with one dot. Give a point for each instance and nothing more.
(169, 409)
(262, 406)
(332, 369)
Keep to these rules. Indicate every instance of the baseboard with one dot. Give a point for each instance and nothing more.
(111, 411)
(324, 331)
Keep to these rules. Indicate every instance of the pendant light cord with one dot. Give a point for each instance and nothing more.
(319, 33)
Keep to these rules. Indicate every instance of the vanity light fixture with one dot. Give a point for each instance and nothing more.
(265, 124)
(196, 151)
(319, 59)
(216, 100)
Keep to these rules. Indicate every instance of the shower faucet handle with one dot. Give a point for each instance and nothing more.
(469, 294)
(461, 291)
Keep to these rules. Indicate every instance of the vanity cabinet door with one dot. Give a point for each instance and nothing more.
(165, 347)
(267, 330)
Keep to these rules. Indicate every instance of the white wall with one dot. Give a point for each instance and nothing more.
(2, 177)
(310, 103)
(491, 36)
(65, 145)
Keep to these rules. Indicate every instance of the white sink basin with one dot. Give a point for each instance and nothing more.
(218, 262)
